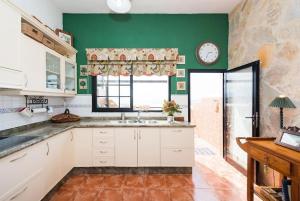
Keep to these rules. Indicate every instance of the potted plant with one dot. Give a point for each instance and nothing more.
(171, 107)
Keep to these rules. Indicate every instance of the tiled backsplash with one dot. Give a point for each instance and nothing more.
(80, 105)
(9, 117)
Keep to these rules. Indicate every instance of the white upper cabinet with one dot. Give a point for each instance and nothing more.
(11, 76)
(70, 74)
(126, 147)
(148, 147)
(33, 64)
(10, 22)
(28, 65)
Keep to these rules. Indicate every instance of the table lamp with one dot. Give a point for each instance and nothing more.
(282, 102)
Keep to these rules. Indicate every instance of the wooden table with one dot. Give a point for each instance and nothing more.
(281, 159)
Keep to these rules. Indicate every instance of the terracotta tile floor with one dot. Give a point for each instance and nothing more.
(212, 180)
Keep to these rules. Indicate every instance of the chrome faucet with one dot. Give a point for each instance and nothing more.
(123, 116)
(138, 118)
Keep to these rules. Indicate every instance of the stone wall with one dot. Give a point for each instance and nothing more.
(269, 31)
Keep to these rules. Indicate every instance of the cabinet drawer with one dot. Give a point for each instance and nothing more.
(104, 161)
(177, 137)
(177, 157)
(16, 168)
(274, 162)
(103, 141)
(102, 151)
(104, 132)
(29, 189)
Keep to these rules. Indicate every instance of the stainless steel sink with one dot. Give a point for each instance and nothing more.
(135, 122)
(12, 141)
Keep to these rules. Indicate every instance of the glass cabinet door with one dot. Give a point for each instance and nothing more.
(53, 74)
(70, 76)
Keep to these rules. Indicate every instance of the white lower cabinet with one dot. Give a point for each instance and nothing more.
(177, 147)
(125, 147)
(103, 147)
(53, 167)
(21, 174)
(148, 147)
(83, 147)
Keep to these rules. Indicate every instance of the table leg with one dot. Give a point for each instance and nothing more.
(295, 190)
(250, 179)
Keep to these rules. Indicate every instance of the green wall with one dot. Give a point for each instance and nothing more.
(183, 31)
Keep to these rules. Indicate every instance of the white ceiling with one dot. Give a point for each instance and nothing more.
(150, 6)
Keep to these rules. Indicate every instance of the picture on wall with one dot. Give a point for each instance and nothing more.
(181, 59)
(180, 86)
(65, 36)
(83, 70)
(83, 83)
(180, 73)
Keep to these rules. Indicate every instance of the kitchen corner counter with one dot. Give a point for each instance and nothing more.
(41, 131)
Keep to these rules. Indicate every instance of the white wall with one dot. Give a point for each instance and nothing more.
(44, 10)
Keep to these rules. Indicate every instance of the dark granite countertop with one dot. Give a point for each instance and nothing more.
(26, 136)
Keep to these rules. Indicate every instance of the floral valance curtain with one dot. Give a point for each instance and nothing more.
(132, 61)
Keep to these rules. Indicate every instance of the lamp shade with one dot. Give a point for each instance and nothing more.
(282, 102)
(119, 6)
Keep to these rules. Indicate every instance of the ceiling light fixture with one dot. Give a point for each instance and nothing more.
(119, 6)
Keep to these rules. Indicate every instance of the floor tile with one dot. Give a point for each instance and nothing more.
(110, 195)
(113, 181)
(136, 181)
(157, 195)
(132, 194)
(181, 194)
(155, 181)
(174, 181)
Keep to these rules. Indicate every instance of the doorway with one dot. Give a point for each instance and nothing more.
(224, 105)
(206, 107)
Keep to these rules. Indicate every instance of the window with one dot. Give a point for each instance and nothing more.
(126, 93)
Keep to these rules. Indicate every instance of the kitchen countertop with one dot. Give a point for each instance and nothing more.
(45, 130)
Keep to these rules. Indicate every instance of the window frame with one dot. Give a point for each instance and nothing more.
(131, 109)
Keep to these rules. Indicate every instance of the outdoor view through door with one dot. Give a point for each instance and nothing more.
(206, 107)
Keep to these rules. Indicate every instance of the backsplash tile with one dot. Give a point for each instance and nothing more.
(10, 118)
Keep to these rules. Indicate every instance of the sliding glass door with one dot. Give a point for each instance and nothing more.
(241, 104)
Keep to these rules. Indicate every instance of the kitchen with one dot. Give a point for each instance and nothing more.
(99, 99)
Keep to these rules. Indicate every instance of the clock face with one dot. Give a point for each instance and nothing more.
(207, 53)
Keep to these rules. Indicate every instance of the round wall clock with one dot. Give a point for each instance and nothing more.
(207, 53)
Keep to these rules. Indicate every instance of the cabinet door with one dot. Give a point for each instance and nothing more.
(33, 64)
(53, 167)
(70, 77)
(83, 145)
(10, 22)
(148, 147)
(20, 171)
(126, 147)
(53, 71)
(68, 152)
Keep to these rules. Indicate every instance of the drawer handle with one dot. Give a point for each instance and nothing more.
(18, 194)
(102, 162)
(102, 132)
(103, 152)
(103, 142)
(14, 160)
(177, 131)
(177, 150)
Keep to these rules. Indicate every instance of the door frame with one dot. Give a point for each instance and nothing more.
(190, 71)
(255, 108)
